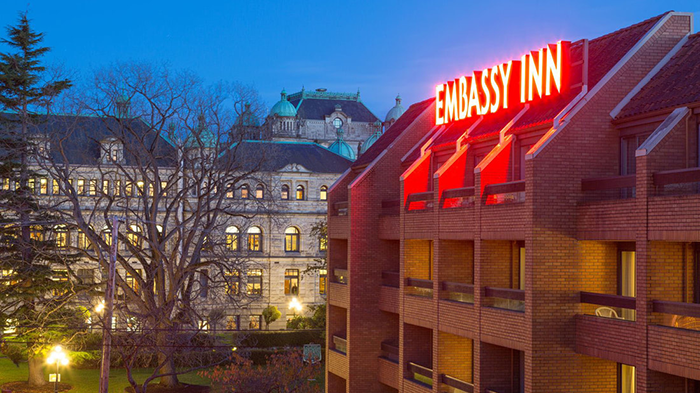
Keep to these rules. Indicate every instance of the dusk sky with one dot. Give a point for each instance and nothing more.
(381, 47)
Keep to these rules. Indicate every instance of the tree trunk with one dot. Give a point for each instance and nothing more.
(165, 357)
(36, 371)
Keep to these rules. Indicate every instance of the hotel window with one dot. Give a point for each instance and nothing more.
(233, 282)
(254, 282)
(36, 233)
(62, 237)
(627, 378)
(259, 191)
(134, 237)
(232, 238)
(43, 186)
(627, 277)
(291, 282)
(56, 189)
(285, 192)
(83, 242)
(245, 191)
(204, 283)
(93, 187)
(233, 322)
(255, 322)
(291, 239)
(254, 239)
(322, 281)
(323, 195)
(81, 187)
(300, 192)
(105, 187)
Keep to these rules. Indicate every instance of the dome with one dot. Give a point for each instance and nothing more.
(396, 111)
(341, 147)
(370, 141)
(206, 140)
(247, 118)
(283, 107)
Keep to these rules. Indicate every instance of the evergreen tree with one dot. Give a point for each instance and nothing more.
(36, 275)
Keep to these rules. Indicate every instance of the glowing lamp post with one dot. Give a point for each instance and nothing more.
(295, 305)
(58, 357)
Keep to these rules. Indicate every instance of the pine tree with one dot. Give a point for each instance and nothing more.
(35, 287)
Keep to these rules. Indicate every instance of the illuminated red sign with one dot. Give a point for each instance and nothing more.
(536, 75)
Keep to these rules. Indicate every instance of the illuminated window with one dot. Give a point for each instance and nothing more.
(232, 238)
(164, 188)
(107, 236)
(81, 187)
(322, 281)
(56, 189)
(115, 154)
(6, 276)
(285, 192)
(254, 239)
(337, 122)
(300, 192)
(62, 238)
(129, 189)
(43, 186)
(255, 322)
(60, 276)
(140, 187)
(291, 282)
(254, 282)
(323, 195)
(105, 187)
(31, 185)
(6, 184)
(134, 236)
(36, 233)
(83, 242)
(233, 282)
(291, 239)
(132, 281)
(627, 382)
(259, 191)
(245, 191)
(118, 188)
(233, 322)
(323, 243)
(93, 187)
(151, 189)
(229, 191)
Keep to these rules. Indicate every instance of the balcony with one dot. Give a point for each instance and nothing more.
(457, 214)
(389, 220)
(607, 209)
(340, 276)
(463, 197)
(421, 374)
(505, 298)
(458, 292)
(458, 386)
(610, 306)
(340, 345)
(609, 332)
(419, 201)
(389, 292)
(673, 347)
(503, 214)
(390, 352)
(418, 307)
(674, 211)
(389, 365)
(339, 293)
(419, 287)
(390, 279)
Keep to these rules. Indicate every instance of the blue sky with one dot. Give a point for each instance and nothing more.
(381, 47)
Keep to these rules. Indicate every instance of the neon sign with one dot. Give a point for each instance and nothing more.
(535, 76)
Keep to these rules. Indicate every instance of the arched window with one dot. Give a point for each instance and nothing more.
(300, 192)
(259, 191)
(133, 236)
(323, 195)
(232, 238)
(62, 236)
(254, 239)
(291, 239)
(245, 191)
(285, 192)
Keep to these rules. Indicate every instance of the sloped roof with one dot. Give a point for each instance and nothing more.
(393, 132)
(275, 155)
(318, 109)
(677, 83)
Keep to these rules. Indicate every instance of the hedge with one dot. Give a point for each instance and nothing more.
(279, 338)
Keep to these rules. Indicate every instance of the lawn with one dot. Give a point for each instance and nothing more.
(87, 381)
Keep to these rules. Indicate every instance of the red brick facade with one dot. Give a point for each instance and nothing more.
(499, 260)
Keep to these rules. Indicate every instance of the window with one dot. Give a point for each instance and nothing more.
(43, 186)
(6, 184)
(300, 192)
(245, 191)
(115, 154)
(164, 188)
(31, 185)
(291, 239)
(36, 233)
(233, 322)
(255, 322)
(285, 192)
(62, 238)
(255, 282)
(129, 189)
(233, 281)
(60, 276)
(259, 191)
(105, 187)
(83, 242)
(56, 189)
(323, 195)
(81, 187)
(627, 378)
(118, 188)
(140, 185)
(291, 282)
(204, 283)
(254, 239)
(323, 243)
(134, 237)
(92, 190)
(6, 276)
(107, 236)
(322, 281)
(337, 123)
(232, 238)
(86, 276)
(627, 280)
(229, 191)
(132, 282)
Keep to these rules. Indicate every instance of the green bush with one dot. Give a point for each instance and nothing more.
(265, 339)
(85, 359)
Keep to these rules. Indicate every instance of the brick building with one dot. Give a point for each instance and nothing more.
(550, 247)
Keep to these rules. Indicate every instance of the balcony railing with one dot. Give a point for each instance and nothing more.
(458, 292)
(421, 374)
(682, 315)
(677, 182)
(457, 197)
(340, 208)
(419, 287)
(391, 279)
(419, 201)
(391, 207)
(340, 344)
(458, 385)
(607, 188)
(612, 306)
(390, 352)
(511, 192)
(505, 298)
(341, 276)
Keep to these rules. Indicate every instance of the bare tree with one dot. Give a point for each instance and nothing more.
(160, 150)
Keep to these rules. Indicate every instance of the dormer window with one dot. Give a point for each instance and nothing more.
(112, 151)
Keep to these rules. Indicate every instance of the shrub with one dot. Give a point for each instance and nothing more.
(264, 339)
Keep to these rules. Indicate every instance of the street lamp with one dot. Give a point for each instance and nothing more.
(295, 305)
(59, 357)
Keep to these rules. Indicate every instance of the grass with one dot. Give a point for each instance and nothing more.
(88, 381)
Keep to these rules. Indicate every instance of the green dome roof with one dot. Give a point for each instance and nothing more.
(396, 111)
(206, 139)
(247, 118)
(283, 107)
(370, 141)
(341, 147)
